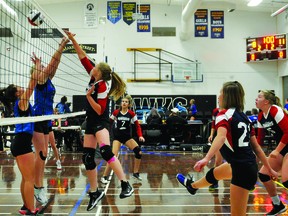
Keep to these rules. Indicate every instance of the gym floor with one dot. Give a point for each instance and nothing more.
(158, 193)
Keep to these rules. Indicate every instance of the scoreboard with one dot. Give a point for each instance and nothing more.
(271, 47)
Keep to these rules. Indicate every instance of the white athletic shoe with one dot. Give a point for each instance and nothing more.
(58, 163)
(40, 195)
(104, 180)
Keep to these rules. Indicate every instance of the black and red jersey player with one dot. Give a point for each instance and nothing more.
(273, 119)
(123, 119)
(237, 142)
(103, 83)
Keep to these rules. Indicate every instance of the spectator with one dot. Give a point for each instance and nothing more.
(192, 109)
(63, 106)
(154, 117)
(286, 104)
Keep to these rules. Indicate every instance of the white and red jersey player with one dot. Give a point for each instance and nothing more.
(276, 123)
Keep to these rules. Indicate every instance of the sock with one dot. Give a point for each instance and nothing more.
(276, 200)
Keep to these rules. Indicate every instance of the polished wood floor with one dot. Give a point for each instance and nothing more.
(158, 193)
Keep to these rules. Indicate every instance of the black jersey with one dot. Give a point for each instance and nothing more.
(237, 147)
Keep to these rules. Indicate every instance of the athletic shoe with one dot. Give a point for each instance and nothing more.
(277, 209)
(186, 182)
(95, 197)
(40, 195)
(137, 176)
(127, 190)
(22, 209)
(58, 163)
(104, 180)
(214, 186)
(28, 212)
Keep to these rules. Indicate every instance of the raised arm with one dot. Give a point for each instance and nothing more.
(24, 99)
(52, 67)
(80, 52)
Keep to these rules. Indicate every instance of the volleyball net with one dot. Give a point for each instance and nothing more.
(19, 39)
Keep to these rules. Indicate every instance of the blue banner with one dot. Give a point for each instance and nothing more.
(144, 23)
(129, 8)
(217, 24)
(201, 23)
(114, 11)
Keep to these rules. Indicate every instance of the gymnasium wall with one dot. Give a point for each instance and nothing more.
(221, 59)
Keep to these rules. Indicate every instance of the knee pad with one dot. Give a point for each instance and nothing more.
(106, 152)
(137, 151)
(210, 177)
(42, 156)
(88, 158)
(264, 177)
(285, 184)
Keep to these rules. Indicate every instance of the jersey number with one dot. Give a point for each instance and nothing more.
(241, 141)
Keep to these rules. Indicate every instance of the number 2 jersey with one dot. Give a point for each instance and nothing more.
(124, 121)
(237, 147)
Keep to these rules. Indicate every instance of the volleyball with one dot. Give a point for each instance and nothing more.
(35, 18)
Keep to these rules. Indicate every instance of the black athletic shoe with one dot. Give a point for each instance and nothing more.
(126, 191)
(95, 197)
(186, 182)
(137, 176)
(277, 209)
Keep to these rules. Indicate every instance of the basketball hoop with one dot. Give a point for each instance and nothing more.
(187, 78)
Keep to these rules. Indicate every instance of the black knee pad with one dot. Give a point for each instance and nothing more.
(285, 184)
(106, 152)
(42, 156)
(210, 177)
(264, 177)
(88, 158)
(137, 151)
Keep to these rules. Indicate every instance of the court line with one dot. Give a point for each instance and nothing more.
(84, 194)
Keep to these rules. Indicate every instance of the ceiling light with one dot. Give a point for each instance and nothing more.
(253, 3)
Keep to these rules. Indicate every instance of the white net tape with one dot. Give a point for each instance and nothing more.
(20, 120)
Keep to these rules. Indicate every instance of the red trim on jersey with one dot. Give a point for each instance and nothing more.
(102, 101)
(88, 66)
(282, 124)
(134, 120)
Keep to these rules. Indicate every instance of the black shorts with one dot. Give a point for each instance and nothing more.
(122, 138)
(284, 151)
(92, 127)
(244, 175)
(21, 144)
(50, 129)
(42, 127)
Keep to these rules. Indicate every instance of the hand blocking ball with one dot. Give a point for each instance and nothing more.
(35, 18)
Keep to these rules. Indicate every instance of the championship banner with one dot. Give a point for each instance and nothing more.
(88, 48)
(201, 23)
(128, 9)
(114, 11)
(143, 24)
(217, 24)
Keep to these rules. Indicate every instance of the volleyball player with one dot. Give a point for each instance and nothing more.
(272, 118)
(53, 146)
(123, 118)
(236, 138)
(43, 105)
(7, 95)
(103, 83)
(21, 148)
(218, 156)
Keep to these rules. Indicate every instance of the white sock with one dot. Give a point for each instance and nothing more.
(276, 200)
